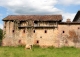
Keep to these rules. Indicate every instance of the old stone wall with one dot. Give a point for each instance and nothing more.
(8, 33)
(45, 36)
(69, 35)
(63, 35)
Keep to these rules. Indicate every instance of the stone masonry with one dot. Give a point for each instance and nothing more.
(44, 31)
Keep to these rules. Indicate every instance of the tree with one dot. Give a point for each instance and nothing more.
(1, 34)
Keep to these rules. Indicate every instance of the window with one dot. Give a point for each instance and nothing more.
(37, 41)
(34, 31)
(19, 41)
(24, 31)
(35, 22)
(45, 31)
(63, 31)
(12, 21)
(13, 31)
(78, 27)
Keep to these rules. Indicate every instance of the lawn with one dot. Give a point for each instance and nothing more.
(39, 52)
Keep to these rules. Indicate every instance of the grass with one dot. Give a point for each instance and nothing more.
(39, 52)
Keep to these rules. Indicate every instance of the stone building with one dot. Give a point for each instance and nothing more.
(42, 30)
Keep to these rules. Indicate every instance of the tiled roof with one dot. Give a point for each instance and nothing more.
(34, 17)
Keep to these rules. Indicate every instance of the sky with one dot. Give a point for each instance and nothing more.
(67, 8)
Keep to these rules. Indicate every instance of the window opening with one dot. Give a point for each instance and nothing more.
(63, 31)
(34, 31)
(45, 31)
(24, 31)
(13, 31)
(37, 41)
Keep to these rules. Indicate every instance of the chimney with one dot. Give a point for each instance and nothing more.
(68, 20)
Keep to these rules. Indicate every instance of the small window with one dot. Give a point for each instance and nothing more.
(19, 41)
(34, 31)
(37, 41)
(12, 21)
(78, 27)
(35, 23)
(13, 31)
(63, 31)
(24, 31)
(45, 31)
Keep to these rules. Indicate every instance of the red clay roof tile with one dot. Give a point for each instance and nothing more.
(34, 17)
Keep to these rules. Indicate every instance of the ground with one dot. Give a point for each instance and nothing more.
(39, 52)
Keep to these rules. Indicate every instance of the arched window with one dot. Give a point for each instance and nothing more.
(37, 41)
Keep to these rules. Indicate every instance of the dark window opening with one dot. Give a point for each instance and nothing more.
(45, 31)
(19, 41)
(12, 21)
(13, 31)
(24, 31)
(78, 27)
(35, 22)
(34, 31)
(63, 31)
(37, 41)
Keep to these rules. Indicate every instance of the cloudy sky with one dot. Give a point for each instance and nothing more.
(68, 8)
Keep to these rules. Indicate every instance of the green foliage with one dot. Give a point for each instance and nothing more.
(36, 46)
(1, 34)
(39, 52)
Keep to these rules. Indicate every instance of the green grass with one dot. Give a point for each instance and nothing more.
(39, 52)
